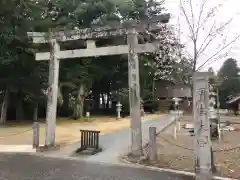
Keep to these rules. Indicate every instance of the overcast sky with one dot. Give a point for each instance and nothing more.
(230, 8)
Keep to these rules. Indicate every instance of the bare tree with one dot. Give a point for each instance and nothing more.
(170, 61)
(205, 30)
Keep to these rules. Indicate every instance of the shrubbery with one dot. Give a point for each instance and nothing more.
(151, 106)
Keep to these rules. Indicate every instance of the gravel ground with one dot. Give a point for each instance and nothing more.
(179, 154)
(21, 133)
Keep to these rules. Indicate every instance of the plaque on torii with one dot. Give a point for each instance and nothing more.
(88, 34)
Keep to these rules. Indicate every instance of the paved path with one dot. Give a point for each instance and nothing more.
(117, 143)
(17, 148)
(26, 167)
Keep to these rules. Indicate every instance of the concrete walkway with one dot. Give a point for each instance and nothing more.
(17, 149)
(117, 143)
(25, 167)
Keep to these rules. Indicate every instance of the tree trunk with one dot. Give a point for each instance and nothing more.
(19, 108)
(79, 104)
(35, 113)
(153, 89)
(108, 100)
(3, 118)
(194, 70)
(65, 111)
(96, 96)
(103, 100)
(96, 100)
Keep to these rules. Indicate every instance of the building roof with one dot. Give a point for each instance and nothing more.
(172, 91)
(233, 100)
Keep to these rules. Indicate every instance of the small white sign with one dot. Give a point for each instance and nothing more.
(87, 114)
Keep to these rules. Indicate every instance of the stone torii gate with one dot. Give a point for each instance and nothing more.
(132, 49)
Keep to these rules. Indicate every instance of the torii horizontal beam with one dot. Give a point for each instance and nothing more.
(101, 51)
(88, 33)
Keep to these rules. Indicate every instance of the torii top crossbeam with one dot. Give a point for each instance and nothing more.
(101, 32)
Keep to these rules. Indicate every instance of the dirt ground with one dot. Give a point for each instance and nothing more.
(67, 131)
(179, 153)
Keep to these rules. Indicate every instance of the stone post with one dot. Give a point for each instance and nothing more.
(152, 144)
(175, 130)
(202, 127)
(36, 134)
(218, 116)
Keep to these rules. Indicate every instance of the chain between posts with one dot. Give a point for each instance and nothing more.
(226, 150)
(177, 145)
(15, 134)
(191, 149)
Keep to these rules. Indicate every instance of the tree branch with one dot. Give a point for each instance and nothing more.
(223, 48)
(211, 13)
(212, 34)
(201, 49)
(187, 19)
(193, 23)
(198, 23)
(200, 16)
